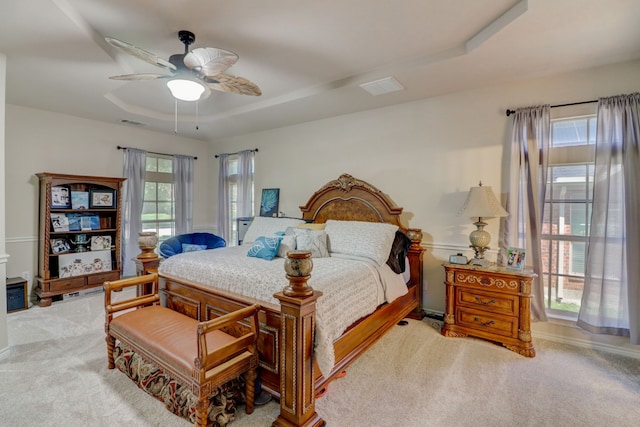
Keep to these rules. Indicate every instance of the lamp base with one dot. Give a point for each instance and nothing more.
(481, 262)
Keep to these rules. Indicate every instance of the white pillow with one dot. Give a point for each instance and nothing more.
(371, 240)
(268, 227)
(310, 240)
(287, 243)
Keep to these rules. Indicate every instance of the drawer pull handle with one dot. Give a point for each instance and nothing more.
(485, 281)
(489, 323)
(478, 299)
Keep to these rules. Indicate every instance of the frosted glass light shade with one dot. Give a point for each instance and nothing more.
(185, 90)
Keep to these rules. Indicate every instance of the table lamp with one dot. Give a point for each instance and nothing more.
(481, 203)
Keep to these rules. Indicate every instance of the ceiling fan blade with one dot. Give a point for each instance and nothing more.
(209, 61)
(141, 53)
(140, 76)
(232, 84)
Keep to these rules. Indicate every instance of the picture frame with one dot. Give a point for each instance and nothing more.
(60, 222)
(59, 246)
(60, 197)
(100, 243)
(515, 258)
(270, 202)
(79, 200)
(102, 199)
(77, 264)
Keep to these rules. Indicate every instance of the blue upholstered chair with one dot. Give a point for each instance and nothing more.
(190, 241)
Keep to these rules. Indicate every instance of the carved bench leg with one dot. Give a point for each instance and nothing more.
(202, 409)
(250, 391)
(111, 343)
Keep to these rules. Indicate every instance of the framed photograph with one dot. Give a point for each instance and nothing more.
(59, 246)
(60, 222)
(79, 199)
(100, 243)
(515, 258)
(102, 199)
(77, 264)
(60, 197)
(270, 202)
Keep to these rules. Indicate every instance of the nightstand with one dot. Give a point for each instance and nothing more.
(489, 302)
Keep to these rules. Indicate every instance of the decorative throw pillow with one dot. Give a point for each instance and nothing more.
(398, 253)
(267, 226)
(371, 240)
(189, 247)
(310, 240)
(287, 243)
(265, 247)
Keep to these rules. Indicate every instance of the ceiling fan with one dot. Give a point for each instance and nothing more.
(201, 69)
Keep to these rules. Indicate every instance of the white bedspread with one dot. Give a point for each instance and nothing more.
(351, 288)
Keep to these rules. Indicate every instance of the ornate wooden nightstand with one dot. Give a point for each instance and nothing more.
(490, 302)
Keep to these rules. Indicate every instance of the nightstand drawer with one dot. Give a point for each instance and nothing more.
(491, 282)
(490, 323)
(494, 302)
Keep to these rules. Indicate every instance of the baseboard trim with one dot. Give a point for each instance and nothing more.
(576, 342)
(591, 345)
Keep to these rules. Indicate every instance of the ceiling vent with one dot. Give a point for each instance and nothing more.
(382, 86)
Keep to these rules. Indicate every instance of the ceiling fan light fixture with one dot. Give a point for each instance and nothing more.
(185, 90)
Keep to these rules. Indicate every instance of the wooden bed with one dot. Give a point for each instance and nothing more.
(345, 198)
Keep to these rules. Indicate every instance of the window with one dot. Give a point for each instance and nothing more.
(233, 195)
(567, 212)
(158, 211)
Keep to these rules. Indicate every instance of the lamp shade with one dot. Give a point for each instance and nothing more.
(185, 90)
(482, 203)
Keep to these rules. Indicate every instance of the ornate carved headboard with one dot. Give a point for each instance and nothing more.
(351, 199)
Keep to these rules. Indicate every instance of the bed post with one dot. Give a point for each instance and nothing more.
(297, 333)
(415, 254)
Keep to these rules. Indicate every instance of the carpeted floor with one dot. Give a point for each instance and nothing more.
(56, 375)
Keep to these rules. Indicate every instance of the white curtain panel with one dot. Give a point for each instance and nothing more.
(224, 198)
(245, 183)
(611, 297)
(183, 192)
(525, 200)
(135, 162)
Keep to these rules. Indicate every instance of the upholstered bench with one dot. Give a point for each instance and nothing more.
(198, 355)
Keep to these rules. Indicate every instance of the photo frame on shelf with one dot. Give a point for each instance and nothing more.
(100, 243)
(60, 222)
(60, 197)
(270, 202)
(79, 199)
(59, 246)
(102, 199)
(515, 258)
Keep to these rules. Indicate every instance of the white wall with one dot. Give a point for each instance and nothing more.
(41, 141)
(4, 338)
(424, 154)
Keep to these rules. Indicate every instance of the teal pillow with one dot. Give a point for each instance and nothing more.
(265, 247)
(189, 247)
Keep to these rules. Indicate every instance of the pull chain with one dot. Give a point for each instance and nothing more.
(175, 124)
(197, 126)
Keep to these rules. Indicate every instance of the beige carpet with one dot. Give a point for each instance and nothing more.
(56, 375)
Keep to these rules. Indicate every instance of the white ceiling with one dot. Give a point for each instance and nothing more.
(308, 57)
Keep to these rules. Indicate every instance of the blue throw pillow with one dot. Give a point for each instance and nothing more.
(189, 247)
(265, 248)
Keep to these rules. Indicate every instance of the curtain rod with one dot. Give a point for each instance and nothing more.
(510, 112)
(152, 152)
(255, 150)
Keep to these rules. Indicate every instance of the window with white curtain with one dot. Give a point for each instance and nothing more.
(567, 212)
(233, 196)
(158, 212)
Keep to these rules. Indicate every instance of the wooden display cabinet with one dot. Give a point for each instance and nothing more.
(82, 249)
(492, 302)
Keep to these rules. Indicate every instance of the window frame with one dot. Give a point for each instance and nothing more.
(157, 177)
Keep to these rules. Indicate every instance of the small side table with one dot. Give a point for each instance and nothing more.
(146, 266)
(17, 298)
(489, 302)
